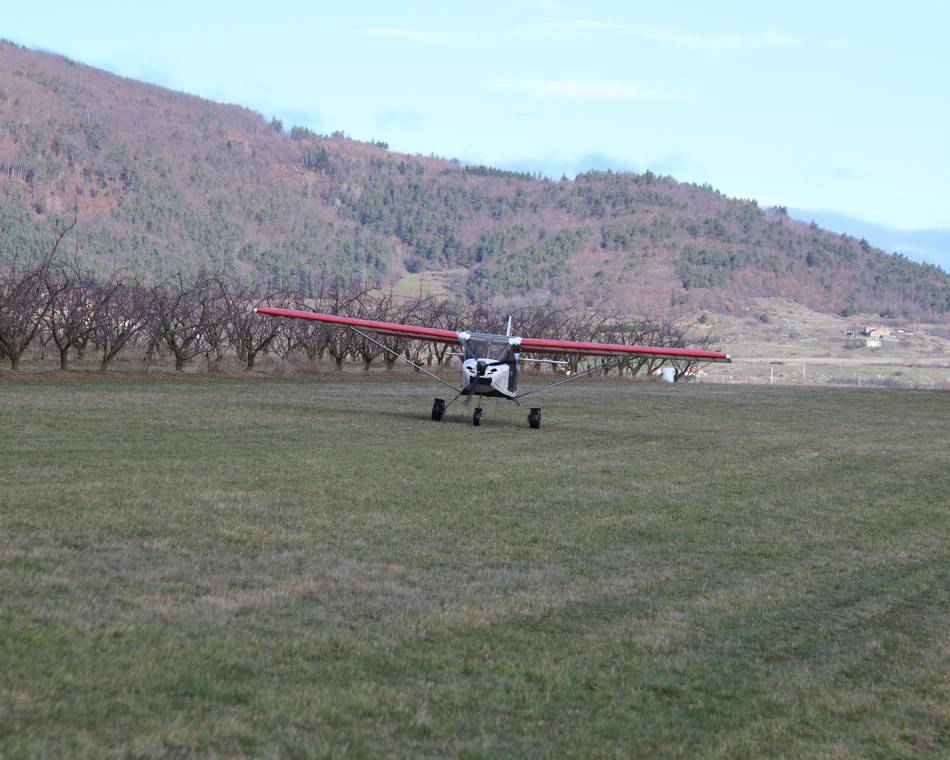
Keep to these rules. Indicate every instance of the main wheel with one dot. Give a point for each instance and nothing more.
(534, 418)
(477, 417)
(438, 409)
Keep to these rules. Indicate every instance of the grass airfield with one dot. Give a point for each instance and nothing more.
(263, 566)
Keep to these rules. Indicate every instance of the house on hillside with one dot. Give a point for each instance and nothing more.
(876, 332)
(872, 336)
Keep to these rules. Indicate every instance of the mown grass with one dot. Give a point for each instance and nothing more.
(293, 568)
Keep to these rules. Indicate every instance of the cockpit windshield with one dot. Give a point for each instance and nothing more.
(494, 347)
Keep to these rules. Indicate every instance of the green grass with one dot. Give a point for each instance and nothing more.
(293, 568)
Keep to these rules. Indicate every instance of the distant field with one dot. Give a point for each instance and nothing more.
(227, 566)
(779, 340)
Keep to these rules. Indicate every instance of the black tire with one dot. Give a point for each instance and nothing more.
(534, 418)
(438, 409)
(477, 417)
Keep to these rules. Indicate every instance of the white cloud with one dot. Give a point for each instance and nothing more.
(766, 39)
(401, 118)
(556, 165)
(416, 35)
(581, 89)
(545, 5)
(585, 29)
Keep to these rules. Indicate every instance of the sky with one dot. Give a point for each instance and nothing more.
(841, 107)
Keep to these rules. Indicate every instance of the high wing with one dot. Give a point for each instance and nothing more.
(432, 334)
(545, 346)
(532, 345)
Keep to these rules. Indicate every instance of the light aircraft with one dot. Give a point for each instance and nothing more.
(492, 360)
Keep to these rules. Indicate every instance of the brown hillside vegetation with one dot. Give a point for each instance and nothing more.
(167, 182)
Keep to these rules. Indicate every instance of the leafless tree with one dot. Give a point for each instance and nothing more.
(375, 307)
(72, 316)
(180, 318)
(388, 307)
(679, 336)
(298, 334)
(43, 338)
(152, 334)
(438, 312)
(123, 311)
(348, 299)
(25, 301)
(214, 318)
(248, 333)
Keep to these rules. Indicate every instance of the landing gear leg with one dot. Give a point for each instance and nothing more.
(438, 409)
(534, 418)
(477, 417)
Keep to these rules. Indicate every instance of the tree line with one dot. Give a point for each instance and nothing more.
(53, 303)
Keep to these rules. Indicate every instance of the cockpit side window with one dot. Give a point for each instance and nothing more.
(499, 349)
(476, 348)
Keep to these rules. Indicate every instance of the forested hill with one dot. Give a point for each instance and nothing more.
(167, 182)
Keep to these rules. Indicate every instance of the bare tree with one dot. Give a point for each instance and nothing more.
(679, 336)
(248, 333)
(71, 318)
(153, 335)
(180, 314)
(349, 299)
(386, 307)
(122, 313)
(25, 300)
(438, 312)
(294, 334)
(419, 309)
(214, 317)
(44, 338)
(373, 307)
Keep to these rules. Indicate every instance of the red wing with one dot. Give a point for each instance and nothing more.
(433, 334)
(543, 346)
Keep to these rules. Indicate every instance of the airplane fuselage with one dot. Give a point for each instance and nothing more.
(491, 363)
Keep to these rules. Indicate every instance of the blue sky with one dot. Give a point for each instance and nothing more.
(839, 106)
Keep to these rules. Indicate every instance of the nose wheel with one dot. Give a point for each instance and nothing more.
(534, 418)
(477, 417)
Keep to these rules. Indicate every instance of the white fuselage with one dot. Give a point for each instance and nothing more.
(491, 363)
(487, 375)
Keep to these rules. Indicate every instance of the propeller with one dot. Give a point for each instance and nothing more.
(484, 364)
(481, 367)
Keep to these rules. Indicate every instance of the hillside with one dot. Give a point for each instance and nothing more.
(166, 182)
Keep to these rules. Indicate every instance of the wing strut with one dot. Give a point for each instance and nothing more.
(404, 358)
(606, 365)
